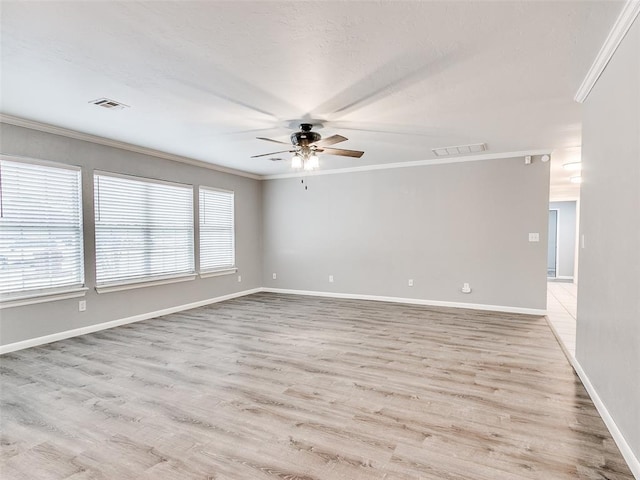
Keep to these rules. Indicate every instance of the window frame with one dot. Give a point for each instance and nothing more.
(147, 280)
(58, 292)
(223, 270)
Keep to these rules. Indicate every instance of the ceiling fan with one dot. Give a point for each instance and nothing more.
(307, 145)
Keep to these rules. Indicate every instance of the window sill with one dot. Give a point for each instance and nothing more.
(42, 297)
(117, 287)
(217, 273)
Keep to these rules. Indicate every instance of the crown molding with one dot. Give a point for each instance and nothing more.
(417, 163)
(47, 128)
(620, 28)
(65, 132)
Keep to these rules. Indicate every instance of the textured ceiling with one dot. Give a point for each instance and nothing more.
(203, 79)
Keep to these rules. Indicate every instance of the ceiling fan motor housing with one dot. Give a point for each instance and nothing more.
(305, 137)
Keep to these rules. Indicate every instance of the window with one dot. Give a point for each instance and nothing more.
(144, 229)
(40, 229)
(217, 242)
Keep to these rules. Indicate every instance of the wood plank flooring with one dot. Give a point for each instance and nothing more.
(284, 387)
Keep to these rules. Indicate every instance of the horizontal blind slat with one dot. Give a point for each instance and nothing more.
(41, 243)
(143, 229)
(217, 238)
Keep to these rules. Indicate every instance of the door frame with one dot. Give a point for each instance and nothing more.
(557, 256)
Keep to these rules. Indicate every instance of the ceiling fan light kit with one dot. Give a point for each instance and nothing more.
(308, 162)
(296, 161)
(307, 145)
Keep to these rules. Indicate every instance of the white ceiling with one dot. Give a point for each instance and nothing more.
(203, 79)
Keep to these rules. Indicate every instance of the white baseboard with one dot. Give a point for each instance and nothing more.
(632, 461)
(54, 337)
(412, 301)
(625, 449)
(34, 342)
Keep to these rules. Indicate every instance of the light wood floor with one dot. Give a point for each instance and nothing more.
(300, 388)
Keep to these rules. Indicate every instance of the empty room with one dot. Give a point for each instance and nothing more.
(317, 240)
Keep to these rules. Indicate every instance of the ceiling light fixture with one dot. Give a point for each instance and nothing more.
(313, 161)
(576, 179)
(572, 166)
(296, 161)
(307, 145)
(305, 158)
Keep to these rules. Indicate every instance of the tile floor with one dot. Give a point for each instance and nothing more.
(561, 311)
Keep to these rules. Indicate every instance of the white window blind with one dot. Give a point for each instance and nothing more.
(40, 228)
(217, 239)
(144, 229)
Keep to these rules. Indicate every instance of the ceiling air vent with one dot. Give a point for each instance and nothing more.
(108, 103)
(459, 149)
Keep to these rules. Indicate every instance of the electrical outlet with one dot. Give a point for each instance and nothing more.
(239, 278)
(410, 282)
(534, 237)
(82, 305)
(274, 276)
(330, 278)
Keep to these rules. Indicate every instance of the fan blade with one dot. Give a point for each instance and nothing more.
(274, 141)
(343, 152)
(332, 140)
(272, 153)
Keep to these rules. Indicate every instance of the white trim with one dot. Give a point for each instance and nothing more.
(43, 127)
(214, 189)
(217, 273)
(417, 163)
(564, 277)
(64, 132)
(37, 161)
(42, 297)
(117, 287)
(558, 236)
(632, 461)
(34, 342)
(557, 263)
(411, 301)
(620, 28)
(625, 449)
(145, 179)
(576, 256)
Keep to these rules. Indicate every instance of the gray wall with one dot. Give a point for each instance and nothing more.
(440, 225)
(566, 237)
(21, 323)
(608, 334)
